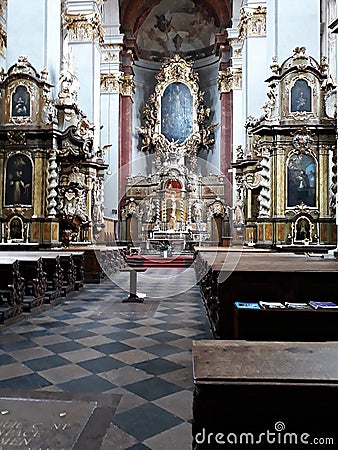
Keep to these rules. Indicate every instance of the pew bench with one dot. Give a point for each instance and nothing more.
(246, 392)
(12, 288)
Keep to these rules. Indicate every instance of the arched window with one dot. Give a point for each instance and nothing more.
(21, 102)
(301, 97)
(301, 180)
(19, 180)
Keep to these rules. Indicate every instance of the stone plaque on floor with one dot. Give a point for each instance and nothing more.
(54, 421)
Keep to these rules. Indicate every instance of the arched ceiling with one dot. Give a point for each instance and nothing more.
(164, 27)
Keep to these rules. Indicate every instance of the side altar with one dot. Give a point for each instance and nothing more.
(179, 200)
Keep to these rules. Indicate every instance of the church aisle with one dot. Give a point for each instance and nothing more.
(93, 343)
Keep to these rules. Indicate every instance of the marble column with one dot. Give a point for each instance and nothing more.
(225, 86)
(127, 89)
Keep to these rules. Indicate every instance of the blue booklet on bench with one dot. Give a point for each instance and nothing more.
(247, 305)
(323, 305)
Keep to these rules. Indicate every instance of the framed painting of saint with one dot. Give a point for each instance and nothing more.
(301, 175)
(21, 102)
(18, 186)
(301, 97)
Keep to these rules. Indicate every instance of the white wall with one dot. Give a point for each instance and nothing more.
(33, 30)
(290, 24)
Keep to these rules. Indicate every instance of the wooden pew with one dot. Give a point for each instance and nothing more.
(92, 271)
(253, 276)
(52, 270)
(248, 392)
(12, 288)
(34, 276)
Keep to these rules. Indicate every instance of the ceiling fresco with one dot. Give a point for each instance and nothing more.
(176, 26)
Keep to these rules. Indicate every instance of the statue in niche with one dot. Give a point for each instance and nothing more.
(302, 229)
(21, 102)
(19, 181)
(301, 97)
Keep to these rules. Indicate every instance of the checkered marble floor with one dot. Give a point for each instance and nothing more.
(94, 343)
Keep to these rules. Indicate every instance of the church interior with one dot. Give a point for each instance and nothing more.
(168, 224)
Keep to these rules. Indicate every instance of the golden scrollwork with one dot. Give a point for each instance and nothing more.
(110, 83)
(225, 79)
(84, 27)
(252, 22)
(127, 86)
(3, 40)
(230, 79)
(177, 69)
(109, 56)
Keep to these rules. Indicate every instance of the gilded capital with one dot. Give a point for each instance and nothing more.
(127, 86)
(110, 83)
(252, 22)
(225, 81)
(84, 27)
(230, 79)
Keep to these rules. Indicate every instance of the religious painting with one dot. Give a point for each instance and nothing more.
(16, 228)
(301, 180)
(18, 181)
(301, 97)
(21, 102)
(177, 26)
(177, 112)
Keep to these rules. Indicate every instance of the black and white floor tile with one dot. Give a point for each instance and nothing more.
(93, 343)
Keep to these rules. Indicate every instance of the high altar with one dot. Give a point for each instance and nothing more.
(179, 200)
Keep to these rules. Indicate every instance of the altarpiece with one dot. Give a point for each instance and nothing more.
(287, 175)
(176, 201)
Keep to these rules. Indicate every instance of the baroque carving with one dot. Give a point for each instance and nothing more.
(68, 82)
(3, 40)
(16, 137)
(180, 72)
(230, 79)
(302, 140)
(84, 27)
(110, 83)
(252, 22)
(127, 86)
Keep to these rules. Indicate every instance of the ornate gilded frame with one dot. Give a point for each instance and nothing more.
(177, 70)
